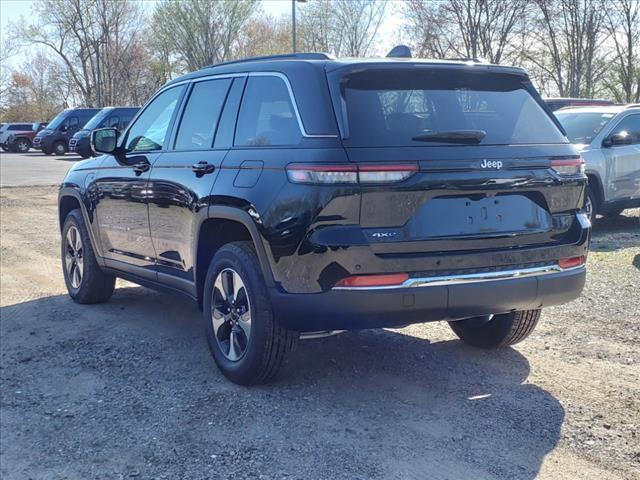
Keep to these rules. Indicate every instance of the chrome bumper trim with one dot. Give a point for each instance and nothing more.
(471, 278)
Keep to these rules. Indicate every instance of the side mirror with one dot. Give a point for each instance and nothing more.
(104, 140)
(621, 138)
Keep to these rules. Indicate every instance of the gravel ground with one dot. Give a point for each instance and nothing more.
(128, 389)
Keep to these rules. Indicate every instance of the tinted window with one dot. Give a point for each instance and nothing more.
(266, 114)
(149, 131)
(113, 122)
(200, 117)
(630, 127)
(97, 120)
(390, 107)
(73, 123)
(582, 127)
(21, 127)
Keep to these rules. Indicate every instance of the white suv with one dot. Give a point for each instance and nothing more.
(608, 138)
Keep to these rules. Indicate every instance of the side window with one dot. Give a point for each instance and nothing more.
(113, 122)
(266, 114)
(149, 131)
(630, 126)
(201, 115)
(73, 123)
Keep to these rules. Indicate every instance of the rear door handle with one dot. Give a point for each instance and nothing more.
(141, 167)
(202, 168)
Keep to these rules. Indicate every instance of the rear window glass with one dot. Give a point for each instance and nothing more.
(409, 107)
(582, 127)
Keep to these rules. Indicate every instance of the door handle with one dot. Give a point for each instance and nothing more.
(141, 167)
(202, 168)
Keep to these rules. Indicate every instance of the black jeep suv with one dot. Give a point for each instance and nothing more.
(300, 195)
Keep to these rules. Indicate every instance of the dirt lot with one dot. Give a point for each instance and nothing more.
(128, 389)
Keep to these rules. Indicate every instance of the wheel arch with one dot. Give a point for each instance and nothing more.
(223, 225)
(595, 183)
(69, 198)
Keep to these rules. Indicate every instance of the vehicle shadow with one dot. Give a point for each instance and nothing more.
(616, 223)
(388, 404)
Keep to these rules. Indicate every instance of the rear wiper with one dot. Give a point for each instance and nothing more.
(468, 137)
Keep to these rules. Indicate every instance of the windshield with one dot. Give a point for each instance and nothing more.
(57, 121)
(97, 119)
(408, 107)
(582, 127)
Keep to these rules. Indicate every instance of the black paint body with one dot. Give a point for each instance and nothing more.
(154, 226)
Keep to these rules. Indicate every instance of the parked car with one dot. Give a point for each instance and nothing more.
(20, 141)
(55, 138)
(300, 195)
(117, 117)
(608, 138)
(8, 129)
(558, 103)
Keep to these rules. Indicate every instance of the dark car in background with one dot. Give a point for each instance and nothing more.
(562, 102)
(301, 195)
(116, 117)
(20, 141)
(55, 137)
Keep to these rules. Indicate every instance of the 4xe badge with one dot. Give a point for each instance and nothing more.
(497, 164)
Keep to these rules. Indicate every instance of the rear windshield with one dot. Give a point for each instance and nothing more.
(582, 127)
(411, 106)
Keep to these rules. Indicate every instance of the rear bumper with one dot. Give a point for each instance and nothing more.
(426, 301)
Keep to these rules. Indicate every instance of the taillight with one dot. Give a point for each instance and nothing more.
(325, 174)
(384, 280)
(568, 166)
(572, 262)
(349, 174)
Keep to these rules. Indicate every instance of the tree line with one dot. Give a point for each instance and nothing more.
(116, 52)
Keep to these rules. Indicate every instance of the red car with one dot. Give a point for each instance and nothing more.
(20, 140)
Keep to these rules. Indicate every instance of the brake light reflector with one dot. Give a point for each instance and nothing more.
(323, 174)
(572, 262)
(383, 280)
(568, 166)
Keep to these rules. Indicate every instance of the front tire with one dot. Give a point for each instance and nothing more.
(59, 148)
(496, 331)
(22, 145)
(86, 282)
(246, 341)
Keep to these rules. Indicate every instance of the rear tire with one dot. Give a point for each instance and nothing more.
(499, 331)
(86, 282)
(237, 311)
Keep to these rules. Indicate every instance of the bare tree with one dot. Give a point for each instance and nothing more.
(341, 27)
(464, 28)
(565, 43)
(199, 33)
(623, 28)
(98, 41)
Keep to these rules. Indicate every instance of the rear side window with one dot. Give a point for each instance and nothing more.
(200, 118)
(20, 127)
(408, 107)
(266, 114)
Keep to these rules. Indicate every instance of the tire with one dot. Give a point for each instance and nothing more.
(261, 344)
(591, 204)
(92, 285)
(497, 331)
(59, 148)
(6, 149)
(22, 145)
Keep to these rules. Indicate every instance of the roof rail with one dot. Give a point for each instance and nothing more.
(283, 56)
(468, 59)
